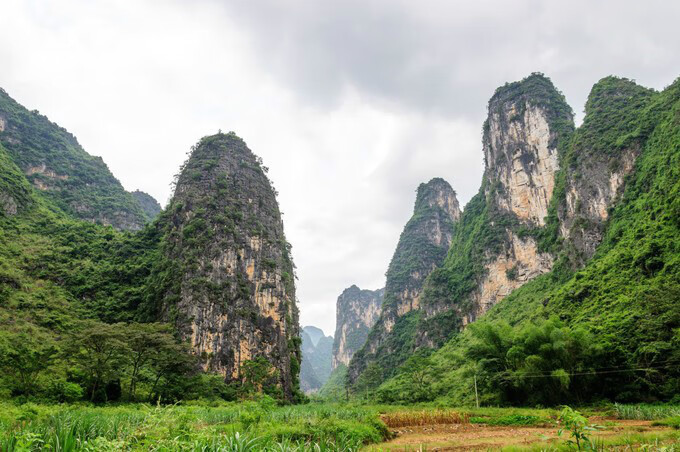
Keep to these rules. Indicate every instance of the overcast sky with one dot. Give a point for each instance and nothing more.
(350, 103)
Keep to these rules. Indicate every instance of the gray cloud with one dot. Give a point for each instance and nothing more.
(447, 56)
(350, 103)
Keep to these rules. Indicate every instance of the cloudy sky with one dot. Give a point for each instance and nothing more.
(350, 103)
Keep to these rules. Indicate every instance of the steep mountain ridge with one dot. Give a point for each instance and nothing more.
(597, 166)
(422, 246)
(496, 247)
(54, 162)
(59, 274)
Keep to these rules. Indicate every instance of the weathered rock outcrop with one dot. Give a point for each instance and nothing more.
(230, 274)
(545, 194)
(422, 247)
(356, 312)
(54, 162)
(598, 165)
(521, 136)
(496, 249)
(541, 180)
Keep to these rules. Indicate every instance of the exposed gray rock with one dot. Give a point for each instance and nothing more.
(357, 311)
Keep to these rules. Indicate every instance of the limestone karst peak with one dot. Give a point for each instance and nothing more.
(234, 272)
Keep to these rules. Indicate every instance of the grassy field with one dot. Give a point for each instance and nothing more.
(264, 426)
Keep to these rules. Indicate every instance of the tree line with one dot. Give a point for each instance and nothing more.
(100, 362)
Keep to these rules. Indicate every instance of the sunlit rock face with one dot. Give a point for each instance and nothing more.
(422, 246)
(546, 194)
(526, 123)
(356, 312)
(522, 160)
(232, 294)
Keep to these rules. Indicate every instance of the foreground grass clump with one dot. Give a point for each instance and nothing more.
(646, 412)
(669, 422)
(513, 419)
(244, 426)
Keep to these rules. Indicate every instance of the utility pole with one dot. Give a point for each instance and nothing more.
(476, 394)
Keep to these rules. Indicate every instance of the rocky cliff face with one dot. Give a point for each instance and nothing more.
(422, 247)
(598, 165)
(545, 196)
(54, 162)
(541, 180)
(521, 136)
(521, 157)
(356, 312)
(231, 283)
(623, 291)
(496, 248)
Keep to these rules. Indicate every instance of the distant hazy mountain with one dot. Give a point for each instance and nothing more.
(317, 349)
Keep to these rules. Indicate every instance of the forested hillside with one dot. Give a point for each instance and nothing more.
(55, 163)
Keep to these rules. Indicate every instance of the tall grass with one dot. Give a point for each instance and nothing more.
(233, 427)
(70, 429)
(646, 412)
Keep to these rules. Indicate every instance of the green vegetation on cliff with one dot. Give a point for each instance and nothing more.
(422, 246)
(618, 333)
(225, 264)
(483, 231)
(53, 161)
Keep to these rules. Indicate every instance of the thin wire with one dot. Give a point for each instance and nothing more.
(596, 372)
(599, 372)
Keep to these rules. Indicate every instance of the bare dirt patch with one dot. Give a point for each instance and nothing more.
(450, 437)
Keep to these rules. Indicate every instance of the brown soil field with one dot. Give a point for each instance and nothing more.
(457, 437)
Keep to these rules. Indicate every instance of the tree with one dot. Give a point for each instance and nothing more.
(101, 351)
(24, 355)
(147, 341)
(546, 362)
(172, 359)
(369, 379)
(417, 372)
(258, 375)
